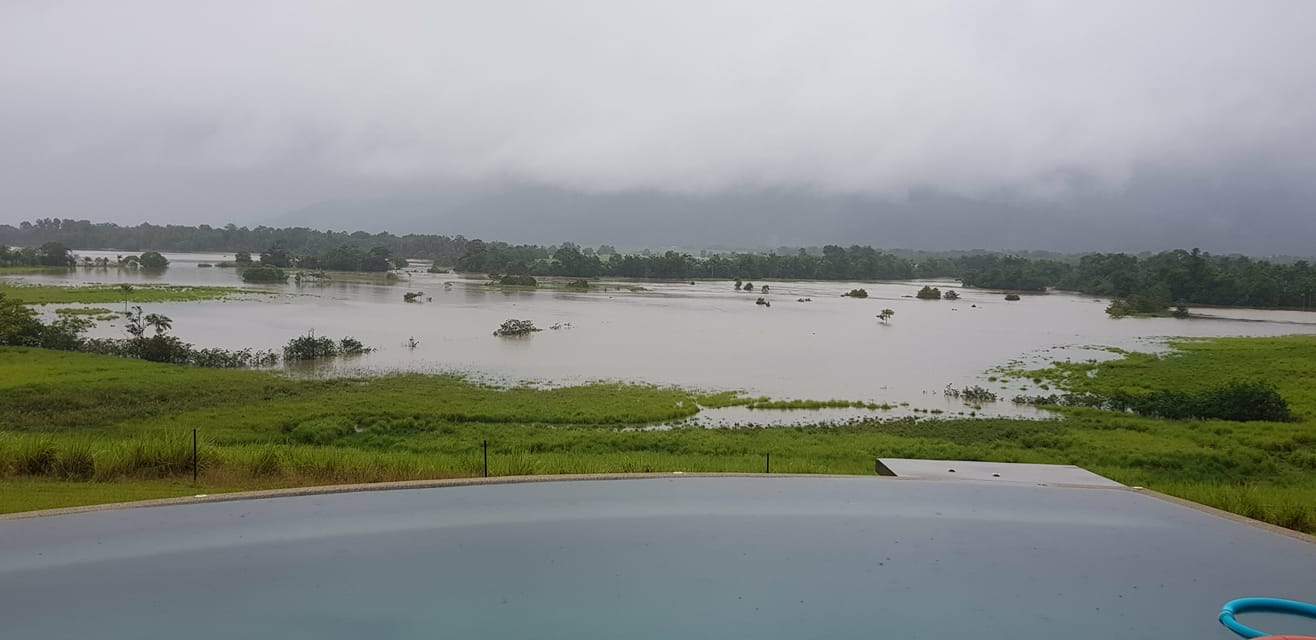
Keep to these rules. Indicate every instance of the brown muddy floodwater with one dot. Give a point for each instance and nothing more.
(699, 336)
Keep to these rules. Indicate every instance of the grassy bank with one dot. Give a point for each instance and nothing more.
(74, 428)
(112, 294)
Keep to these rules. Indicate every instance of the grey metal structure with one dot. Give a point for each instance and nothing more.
(688, 557)
(1048, 474)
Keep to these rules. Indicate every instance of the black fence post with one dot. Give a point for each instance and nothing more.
(767, 463)
(194, 457)
(485, 446)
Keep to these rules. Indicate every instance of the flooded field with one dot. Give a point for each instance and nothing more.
(702, 335)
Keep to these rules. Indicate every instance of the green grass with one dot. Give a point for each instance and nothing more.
(12, 270)
(108, 294)
(1193, 365)
(72, 420)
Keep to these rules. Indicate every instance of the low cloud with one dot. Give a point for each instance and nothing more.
(183, 112)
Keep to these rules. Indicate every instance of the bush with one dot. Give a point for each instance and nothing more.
(856, 293)
(1235, 401)
(264, 273)
(310, 347)
(578, 284)
(950, 295)
(928, 293)
(1137, 305)
(1012, 297)
(515, 327)
(350, 346)
(434, 268)
(153, 260)
(412, 296)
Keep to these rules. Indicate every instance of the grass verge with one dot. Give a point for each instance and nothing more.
(112, 294)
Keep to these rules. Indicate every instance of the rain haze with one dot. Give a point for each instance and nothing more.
(1028, 125)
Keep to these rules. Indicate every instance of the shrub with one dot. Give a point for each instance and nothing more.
(1235, 401)
(264, 273)
(928, 293)
(1137, 305)
(153, 260)
(350, 346)
(856, 293)
(1012, 297)
(578, 284)
(515, 327)
(950, 295)
(434, 268)
(310, 347)
(412, 296)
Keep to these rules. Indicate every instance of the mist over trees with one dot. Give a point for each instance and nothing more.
(300, 241)
(1164, 279)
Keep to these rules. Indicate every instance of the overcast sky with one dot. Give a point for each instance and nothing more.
(1072, 124)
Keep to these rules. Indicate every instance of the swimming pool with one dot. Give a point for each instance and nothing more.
(687, 557)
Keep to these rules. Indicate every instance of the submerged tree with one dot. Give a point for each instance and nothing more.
(928, 293)
(153, 261)
(886, 314)
(514, 327)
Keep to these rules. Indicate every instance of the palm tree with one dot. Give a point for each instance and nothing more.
(886, 314)
(159, 322)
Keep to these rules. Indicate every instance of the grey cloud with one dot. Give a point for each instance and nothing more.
(1025, 115)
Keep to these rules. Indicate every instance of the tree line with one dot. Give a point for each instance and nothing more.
(1156, 281)
(1151, 281)
(83, 234)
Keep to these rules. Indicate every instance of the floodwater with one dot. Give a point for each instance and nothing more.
(700, 336)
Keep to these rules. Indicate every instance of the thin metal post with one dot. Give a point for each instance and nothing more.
(194, 459)
(486, 458)
(767, 463)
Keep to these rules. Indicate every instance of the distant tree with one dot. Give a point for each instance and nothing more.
(153, 260)
(856, 293)
(54, 254)
(277, 256)
(885, 315)
(738, 283)
(264, 273)
(1012, 297)
(242, 257)
(749, 286)
(950, 295)
(765, 289)
(928, 293)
